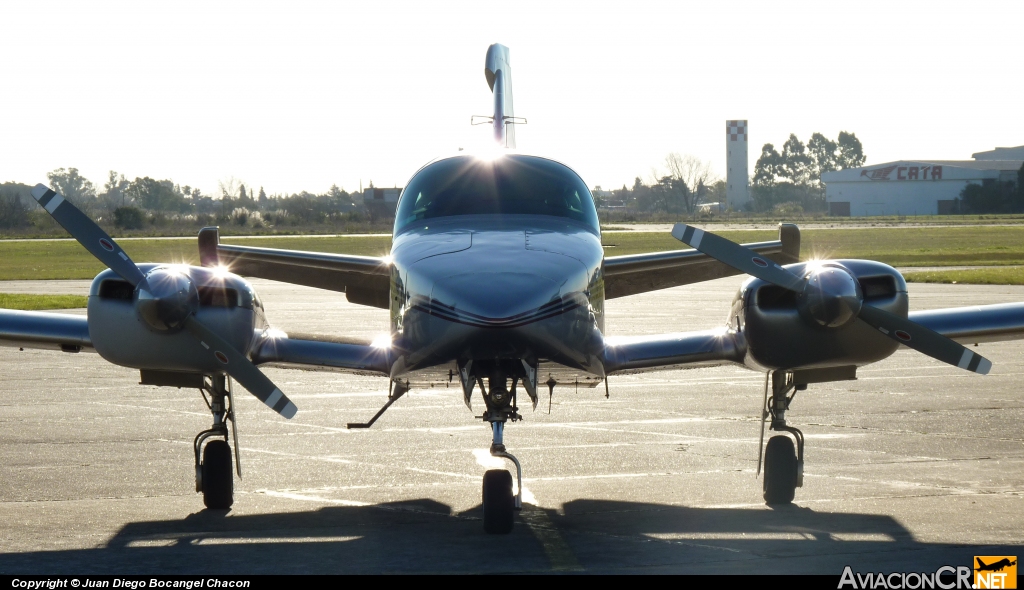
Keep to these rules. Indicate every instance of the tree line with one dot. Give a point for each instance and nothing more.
(142, 202)
(790, 180)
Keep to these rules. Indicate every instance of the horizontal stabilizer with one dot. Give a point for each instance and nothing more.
(365, 280)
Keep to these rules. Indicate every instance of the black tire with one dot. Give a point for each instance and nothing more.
(779, 471)
(499, 504)
(218, 484)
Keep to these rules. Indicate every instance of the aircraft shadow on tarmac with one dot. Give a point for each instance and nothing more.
(426, 536)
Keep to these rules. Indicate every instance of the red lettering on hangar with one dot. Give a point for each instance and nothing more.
(918, 173)
(904, 173)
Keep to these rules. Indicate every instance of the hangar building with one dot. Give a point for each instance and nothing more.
(915, 187)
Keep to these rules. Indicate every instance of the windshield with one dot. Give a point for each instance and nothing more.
(508, 185)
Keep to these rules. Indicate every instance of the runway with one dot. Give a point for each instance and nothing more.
(913, 466)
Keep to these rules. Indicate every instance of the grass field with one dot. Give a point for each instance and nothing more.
(1013, 275)
(36, 302)
(904, 246)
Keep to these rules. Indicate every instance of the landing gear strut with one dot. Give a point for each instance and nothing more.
(498, 501)
(783, 465)
(213, 473)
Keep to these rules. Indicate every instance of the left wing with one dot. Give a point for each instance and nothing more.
(640, 273)
(365, 280)
(682, 350)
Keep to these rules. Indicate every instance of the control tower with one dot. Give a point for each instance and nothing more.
(737, 191)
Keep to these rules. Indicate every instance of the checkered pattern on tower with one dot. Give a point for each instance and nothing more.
(737, 130)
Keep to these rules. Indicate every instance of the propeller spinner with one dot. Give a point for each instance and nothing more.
(831, 297)
(165, 299)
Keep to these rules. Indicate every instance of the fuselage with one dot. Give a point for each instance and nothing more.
(517, 277)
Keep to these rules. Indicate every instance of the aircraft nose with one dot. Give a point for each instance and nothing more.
(495, 297)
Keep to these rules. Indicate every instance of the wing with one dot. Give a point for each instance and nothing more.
(365, 280)
(976, 324)
(682, 350)
(639, 273)
(51, 331)
(321, 354)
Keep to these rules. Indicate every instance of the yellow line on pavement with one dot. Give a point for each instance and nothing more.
(559, 554)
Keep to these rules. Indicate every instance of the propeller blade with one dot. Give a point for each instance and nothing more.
(924, 340)
(88, 234)
(241, 369)
(738, 257)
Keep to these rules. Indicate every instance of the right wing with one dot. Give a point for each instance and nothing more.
(365, 280)
(640, 273)
(316, 353)
(50, 331)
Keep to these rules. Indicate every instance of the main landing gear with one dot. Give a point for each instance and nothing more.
(213, 473)
(499, 504)
(783, 465)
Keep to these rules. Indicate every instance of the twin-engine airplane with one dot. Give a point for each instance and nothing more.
(497, 279)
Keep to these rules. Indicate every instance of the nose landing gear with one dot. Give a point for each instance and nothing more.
(213, 473)
(499, 504)
(783, 465)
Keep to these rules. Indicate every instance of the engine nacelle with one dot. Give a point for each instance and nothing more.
(123, 333)
(787, 330)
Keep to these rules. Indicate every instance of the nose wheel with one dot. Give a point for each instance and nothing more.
(499, 503)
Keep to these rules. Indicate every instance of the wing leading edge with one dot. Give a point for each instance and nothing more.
(640, 273)
(49, 331)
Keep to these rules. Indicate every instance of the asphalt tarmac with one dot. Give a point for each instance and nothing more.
(913, 466)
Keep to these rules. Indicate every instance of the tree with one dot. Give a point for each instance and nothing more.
(73, 186)
(156, 195)
(129, 217)
(114, 189)
(822, 152)
(794, 165)
(1020, 186)
(13, 212)
(990, 196)
(851, 152)
(690, 176)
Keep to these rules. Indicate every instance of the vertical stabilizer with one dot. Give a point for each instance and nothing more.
(499, 78)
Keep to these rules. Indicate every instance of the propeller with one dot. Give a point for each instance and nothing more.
(832, 297)
(164, 298)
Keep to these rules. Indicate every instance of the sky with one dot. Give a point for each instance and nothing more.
(298, 95)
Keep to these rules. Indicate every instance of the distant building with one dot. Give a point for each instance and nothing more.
(386, 198)
(1009, 153)
(915, 187)
(737, 187)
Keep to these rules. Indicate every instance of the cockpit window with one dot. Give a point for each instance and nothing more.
(511, 184)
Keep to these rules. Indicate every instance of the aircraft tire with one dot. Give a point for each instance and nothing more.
(779, 471)
(499, 504)
(218, 485)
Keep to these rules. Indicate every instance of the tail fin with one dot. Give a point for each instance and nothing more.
(499, 78)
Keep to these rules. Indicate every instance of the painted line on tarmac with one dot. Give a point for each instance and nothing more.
(536, 518)
(559, 554)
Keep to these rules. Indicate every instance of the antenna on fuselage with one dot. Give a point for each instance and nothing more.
(499, 77)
